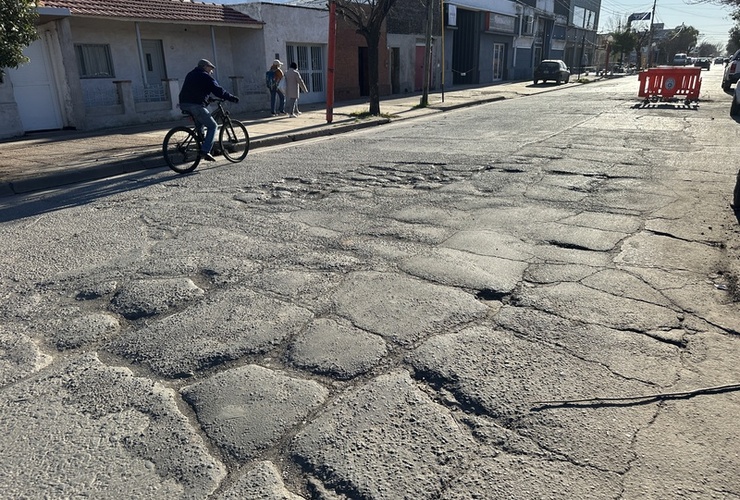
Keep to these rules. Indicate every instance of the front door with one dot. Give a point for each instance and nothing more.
(35, 90)
(498, 61)
(419, 68)
(395, 70)
(154, 66)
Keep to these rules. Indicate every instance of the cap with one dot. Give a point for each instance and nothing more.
(204, 63)
(277, 62)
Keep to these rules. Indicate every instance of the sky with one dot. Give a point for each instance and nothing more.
(712, 21)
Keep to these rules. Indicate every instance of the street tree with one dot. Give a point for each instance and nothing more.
(17, 30)
(368, 16)
(681, 39)
(706, 49)
(733, 43)
(720, 49)
(624, 42)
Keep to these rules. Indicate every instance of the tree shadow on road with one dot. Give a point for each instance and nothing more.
(74, 195)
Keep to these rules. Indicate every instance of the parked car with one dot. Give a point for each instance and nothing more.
(735, 106)
(719, 60)
(552, 69)
(732, 72)
(703, 63)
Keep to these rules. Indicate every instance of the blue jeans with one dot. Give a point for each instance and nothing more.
(277, 93)
(203, 118)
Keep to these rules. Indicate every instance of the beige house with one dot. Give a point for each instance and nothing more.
(106, 63)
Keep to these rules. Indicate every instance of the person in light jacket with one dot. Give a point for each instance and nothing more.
(293, 86)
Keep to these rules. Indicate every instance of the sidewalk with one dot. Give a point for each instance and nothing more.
(45, 160)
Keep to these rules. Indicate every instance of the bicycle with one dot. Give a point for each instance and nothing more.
(181, 146)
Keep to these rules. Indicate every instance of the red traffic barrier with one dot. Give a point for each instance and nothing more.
(670, 83)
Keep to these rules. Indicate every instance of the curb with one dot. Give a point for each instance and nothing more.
(145, 161)
(468, 104)
(301, 136)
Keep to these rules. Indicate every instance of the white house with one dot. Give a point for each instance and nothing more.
(103, 63)
(295, 31)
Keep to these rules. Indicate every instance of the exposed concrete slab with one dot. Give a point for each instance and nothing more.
(605, 309)
(503, 377)
(19, 356)
(150, 447)
(402, 309)
(263, 481)
(467, 270)
(226, 325)
(627, 354)
(246, 410)
(332, 348)
(385, 440)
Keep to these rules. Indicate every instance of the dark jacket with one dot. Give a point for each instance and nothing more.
(198, 85)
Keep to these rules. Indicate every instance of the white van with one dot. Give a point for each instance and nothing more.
(680, 59)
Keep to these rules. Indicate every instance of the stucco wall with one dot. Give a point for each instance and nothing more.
(407, 60)
(183, 46)
(287, 25)
(237, 70)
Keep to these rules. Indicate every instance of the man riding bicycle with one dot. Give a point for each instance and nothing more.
(196, 88)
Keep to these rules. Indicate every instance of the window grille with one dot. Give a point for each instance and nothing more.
(150, 93)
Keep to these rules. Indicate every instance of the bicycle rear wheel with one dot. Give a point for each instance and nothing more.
(234, 140)
(181, 149)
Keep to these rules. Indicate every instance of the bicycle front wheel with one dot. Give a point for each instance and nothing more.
(181, 150)
(234, 140)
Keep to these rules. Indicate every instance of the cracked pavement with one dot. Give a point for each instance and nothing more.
(386, 320)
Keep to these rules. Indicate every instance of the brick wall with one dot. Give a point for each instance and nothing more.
(347, 70)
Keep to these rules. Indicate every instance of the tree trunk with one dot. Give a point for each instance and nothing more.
(427, 55)
(373, 41)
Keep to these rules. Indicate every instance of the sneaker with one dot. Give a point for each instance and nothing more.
(274, 114)
(207, 156)
(292, 115)
(298, 112)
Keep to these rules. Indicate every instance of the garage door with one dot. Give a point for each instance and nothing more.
(35, 91)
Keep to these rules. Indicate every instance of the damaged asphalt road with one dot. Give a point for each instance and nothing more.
(387, 314)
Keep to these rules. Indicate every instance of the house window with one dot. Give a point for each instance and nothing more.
(94, 61)
(528, 25)
(584, 18)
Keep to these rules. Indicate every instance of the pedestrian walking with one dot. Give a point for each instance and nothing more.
(293, 86)
(273, 79)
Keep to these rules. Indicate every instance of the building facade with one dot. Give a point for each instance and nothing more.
(101, 64)
(106, 63)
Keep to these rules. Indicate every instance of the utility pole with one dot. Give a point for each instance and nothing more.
(650, 37)
(330, 63)
(580, 62)
(427, 55)
(442, 47)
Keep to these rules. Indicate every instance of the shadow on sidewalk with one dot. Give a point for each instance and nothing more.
(75, 195)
